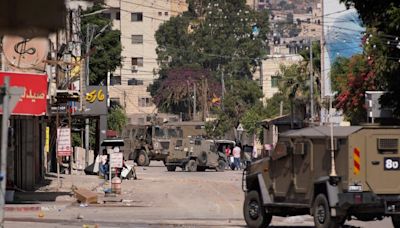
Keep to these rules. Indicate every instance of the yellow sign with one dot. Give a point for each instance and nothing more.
(47, 143)
(95, 95)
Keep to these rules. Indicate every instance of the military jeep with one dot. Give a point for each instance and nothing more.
(353, 175)
(144, 143)
(197, 154)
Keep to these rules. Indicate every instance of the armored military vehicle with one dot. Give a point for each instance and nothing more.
(354, 174)
(198, 154)
(147, 142)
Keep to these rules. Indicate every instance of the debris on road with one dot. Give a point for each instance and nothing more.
(85, 196)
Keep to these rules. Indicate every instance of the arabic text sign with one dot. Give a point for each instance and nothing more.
(64, 141)
(34, 99)
(116, 160)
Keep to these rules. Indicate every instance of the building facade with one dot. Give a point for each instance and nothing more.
(138, 20)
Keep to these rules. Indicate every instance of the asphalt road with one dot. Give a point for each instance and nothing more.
(165, 199)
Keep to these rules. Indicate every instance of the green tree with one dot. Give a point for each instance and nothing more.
(116, 119)
(382, 21)
(216, 36)
(272, 106)
(105, 54)
(352, 78)
(176, 91)
(239, 100)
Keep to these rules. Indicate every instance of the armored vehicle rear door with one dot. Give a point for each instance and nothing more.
(281, 169)
(302, 166)
(382, 162)
(212, 154)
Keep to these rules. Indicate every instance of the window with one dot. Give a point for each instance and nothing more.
(159, 13)
(115, 102)
(137, 61)
(134, 81)
(107, 15)
(136, 16)
(144, 101)
(137, 39)
(115, 80)
(165, 13)
(117, 16)
(274, 81)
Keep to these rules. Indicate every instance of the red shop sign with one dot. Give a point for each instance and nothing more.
(34, 99)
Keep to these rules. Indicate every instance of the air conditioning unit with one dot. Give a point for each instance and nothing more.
(135, 68)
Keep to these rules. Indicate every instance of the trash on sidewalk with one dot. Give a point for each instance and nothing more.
(85, 196)
(41, 214)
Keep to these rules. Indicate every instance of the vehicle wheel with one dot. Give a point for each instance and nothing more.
(142, 159)
(254, 212)
(191, 166)
(396, 221)
(202, 158)
(322, 213)
(221, 166)
(171, 168)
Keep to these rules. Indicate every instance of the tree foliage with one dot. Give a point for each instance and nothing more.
(352, 78)
(217, 37)
(176, 92)
(242, 96)
(116, 119)
(382, 20)
(105, 54)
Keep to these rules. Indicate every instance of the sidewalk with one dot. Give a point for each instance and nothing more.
(50, 195)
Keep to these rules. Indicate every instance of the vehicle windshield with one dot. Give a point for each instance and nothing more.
(159, 132)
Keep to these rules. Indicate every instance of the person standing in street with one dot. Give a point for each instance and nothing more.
(228, 155)
(236, 156)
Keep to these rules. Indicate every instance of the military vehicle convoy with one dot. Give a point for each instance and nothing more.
(147, 142)
(198, 154)
(300, 176)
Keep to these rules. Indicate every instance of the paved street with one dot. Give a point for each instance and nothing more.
(158, 199)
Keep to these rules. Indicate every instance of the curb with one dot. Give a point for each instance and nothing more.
(22, 209)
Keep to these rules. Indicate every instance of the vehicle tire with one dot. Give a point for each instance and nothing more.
(396, 221)
(142, 159)
(254, 212)
(191, 166)
(322, 213)
(171, 168)
(202, 158)
(221, 166)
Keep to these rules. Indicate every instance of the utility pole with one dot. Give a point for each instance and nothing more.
(261, 74)
(4, 138)
(311, 82)
(89, 39)
(194, 100)
(205, 108)
(223, 88)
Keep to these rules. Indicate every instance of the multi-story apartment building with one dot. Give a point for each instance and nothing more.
(138, 20)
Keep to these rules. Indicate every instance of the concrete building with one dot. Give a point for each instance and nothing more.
(271, 71)
(138, 20)
(257, 4)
